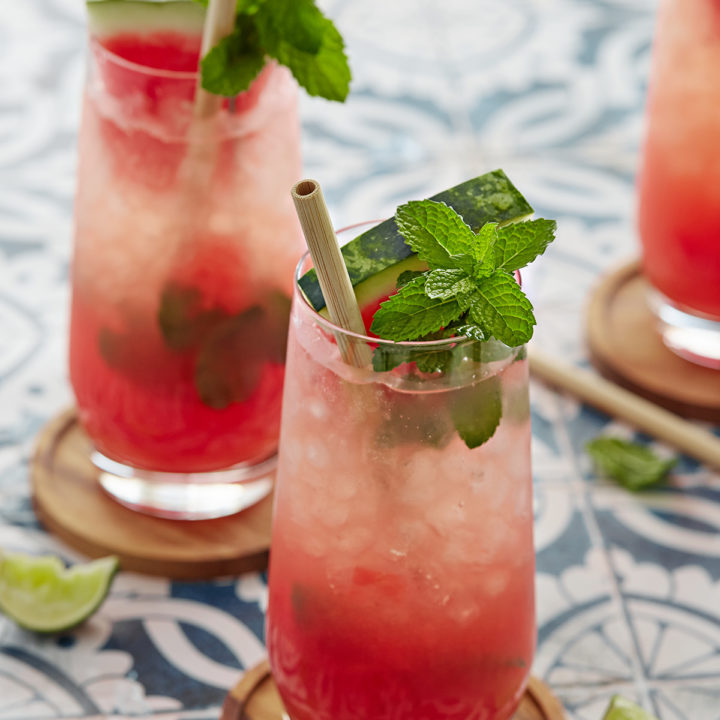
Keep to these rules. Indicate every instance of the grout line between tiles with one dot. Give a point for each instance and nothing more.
(597, 540)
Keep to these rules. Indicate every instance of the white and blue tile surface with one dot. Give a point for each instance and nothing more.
(553, 92)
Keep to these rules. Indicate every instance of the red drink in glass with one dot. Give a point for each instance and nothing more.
(402, 571)
(182, 272)
(679, 186)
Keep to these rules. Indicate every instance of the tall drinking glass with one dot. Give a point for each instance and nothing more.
(679, 187)
(185, 244)
(402, 569)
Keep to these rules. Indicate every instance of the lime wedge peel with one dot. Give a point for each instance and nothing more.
(621, 708)
(40, 594)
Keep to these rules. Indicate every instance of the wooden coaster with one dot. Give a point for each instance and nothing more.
(626, 347)
(255, 697)
(69, 501)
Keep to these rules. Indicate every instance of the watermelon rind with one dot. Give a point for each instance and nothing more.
(487, 198)
(115, 17)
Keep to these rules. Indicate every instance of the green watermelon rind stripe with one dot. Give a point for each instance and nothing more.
(111, 17)
(488, 198)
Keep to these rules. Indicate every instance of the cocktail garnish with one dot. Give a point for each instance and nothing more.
(469, 288)
(295, 33)
(634, 466)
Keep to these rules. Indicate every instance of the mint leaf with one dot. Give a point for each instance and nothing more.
(444, 284)
(476, 411)
(293, 32)
(299, 36)
(632, 465)
(406, 276)
(231, 66)
(427, 360)
(294, 23)
(388, 357)
(437, 234)
(411, 314)
(519, 244)
(182, 318)
(501, 309)
(483, 250)
(474, 332)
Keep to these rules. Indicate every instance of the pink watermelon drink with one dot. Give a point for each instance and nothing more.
(679, 187)
(185, 245)
(402, 571)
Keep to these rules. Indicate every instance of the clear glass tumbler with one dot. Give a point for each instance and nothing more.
(185, 244)
(402, 569)
(679, 183)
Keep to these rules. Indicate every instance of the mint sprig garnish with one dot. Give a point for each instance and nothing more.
(470, 281)
(295, 33)
(634, 466)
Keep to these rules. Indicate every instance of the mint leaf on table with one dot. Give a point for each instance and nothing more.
(632, 465)
(293, 32)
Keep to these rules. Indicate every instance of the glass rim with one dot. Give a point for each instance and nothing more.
(332, 327)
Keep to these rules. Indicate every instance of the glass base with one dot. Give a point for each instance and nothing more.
(186, 496)
(693, 337)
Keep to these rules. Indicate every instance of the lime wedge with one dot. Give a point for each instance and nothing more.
(621, 708)
(41, 594)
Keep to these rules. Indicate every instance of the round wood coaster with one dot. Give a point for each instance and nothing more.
(69, 501)
(626, 347)
(255, 697)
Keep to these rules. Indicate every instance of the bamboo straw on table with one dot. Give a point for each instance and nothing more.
(219, 23)
(623, 404)
(330, 266)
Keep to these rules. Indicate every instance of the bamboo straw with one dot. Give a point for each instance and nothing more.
(621, 403)
(219, 23)
(330, 266)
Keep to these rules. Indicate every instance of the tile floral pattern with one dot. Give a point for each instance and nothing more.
(551, 90)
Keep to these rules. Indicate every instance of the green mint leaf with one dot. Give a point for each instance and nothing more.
(298, 24)
(476, 411)
(428, 360)
(519, 244)
(387, 357)
(474, 332)
(483, 251)
(407, 276)
(437, 234)
(183, 320)
(444, 284)
(220, 379)
(231, 66)
(501, 309)
(299, 36)
(411, 314)
(632, 465)
(231, 358)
